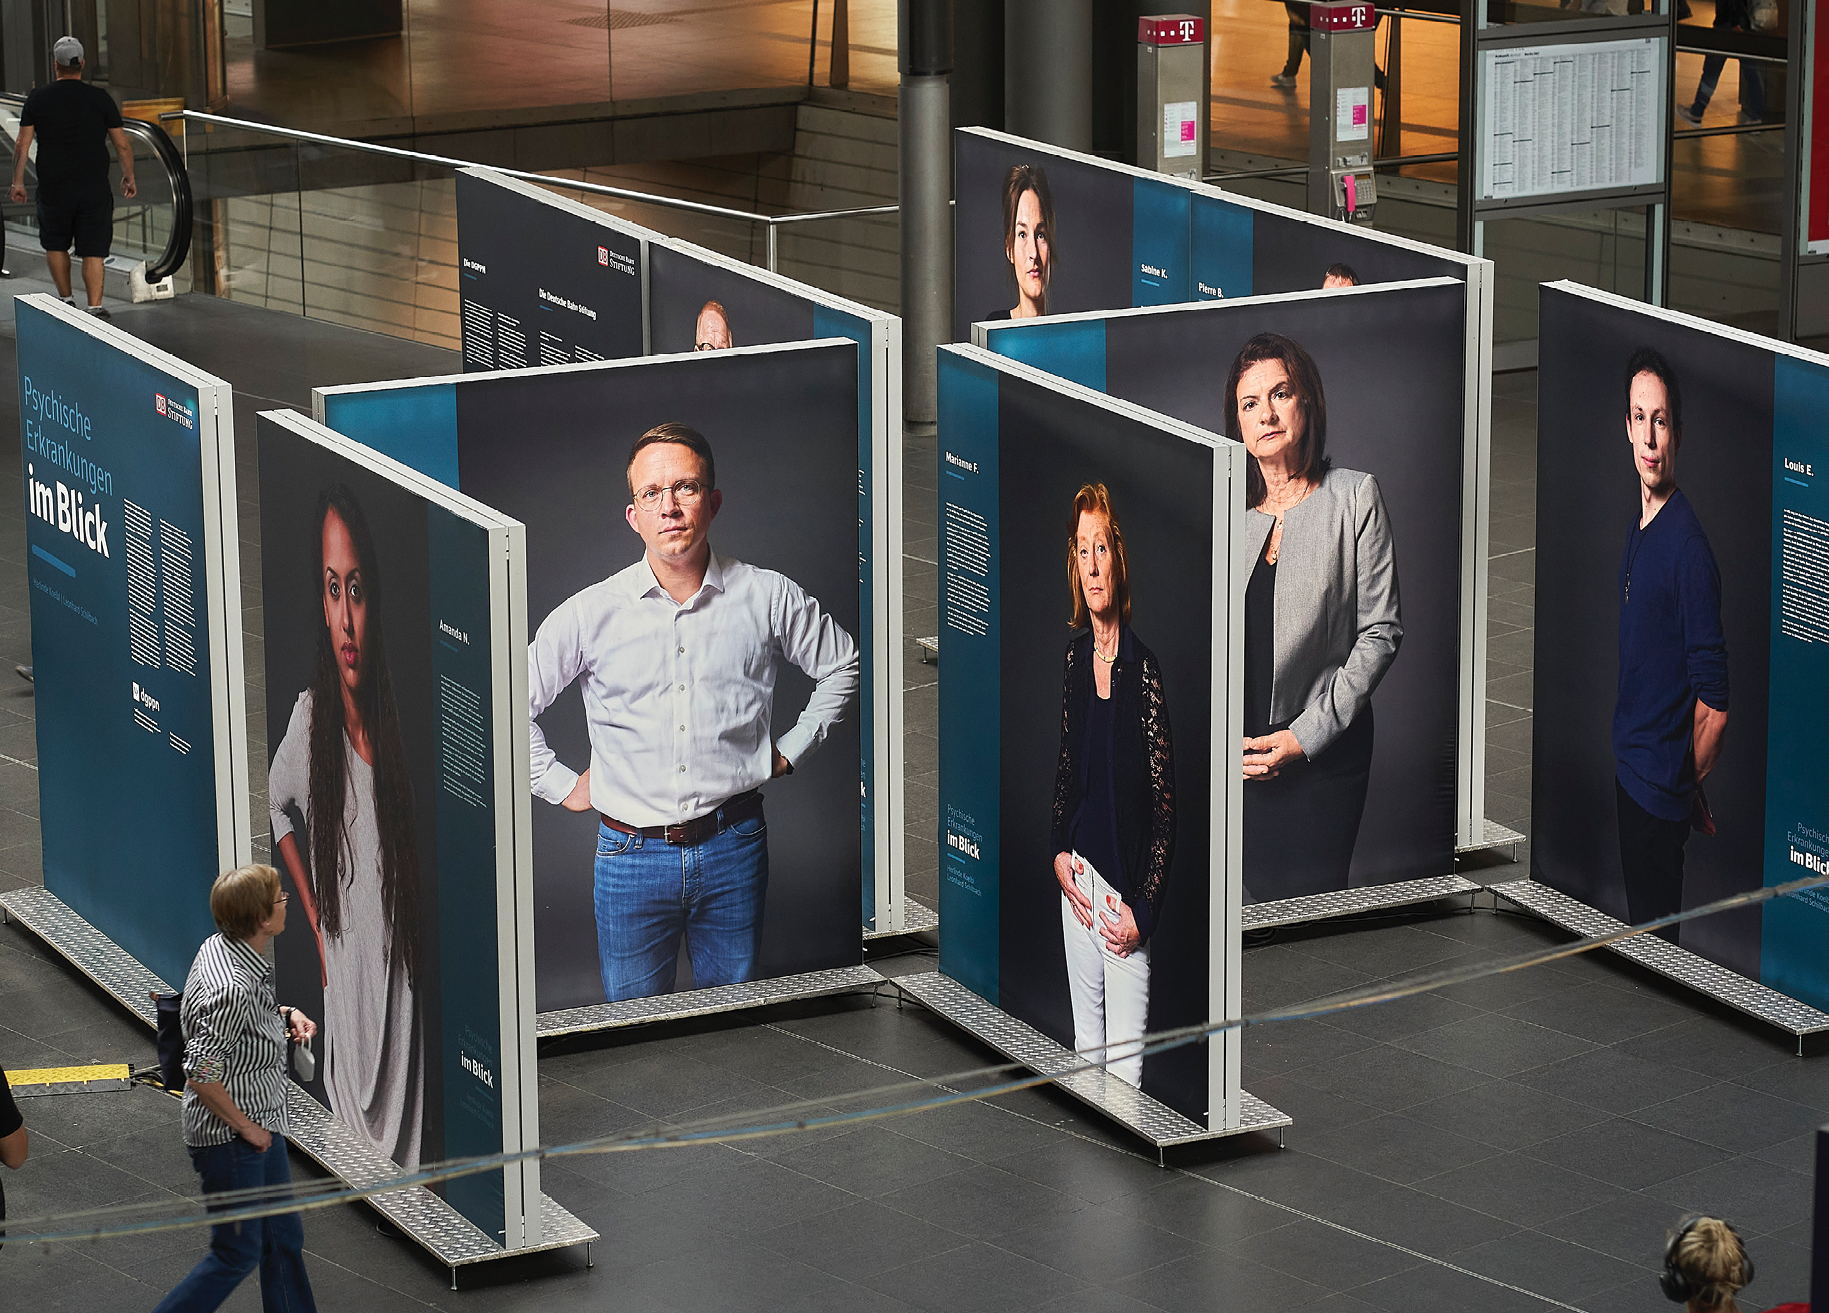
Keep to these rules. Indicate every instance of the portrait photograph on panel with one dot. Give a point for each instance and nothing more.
(1351, 408)
(695, 305)
(1107, 633)
(759, 451)
(352, 786)
(1036, 234)
(1654, 597)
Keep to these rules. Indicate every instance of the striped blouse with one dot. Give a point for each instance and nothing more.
(233, 1037)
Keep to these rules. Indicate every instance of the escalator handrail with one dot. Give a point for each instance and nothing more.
(171, 159)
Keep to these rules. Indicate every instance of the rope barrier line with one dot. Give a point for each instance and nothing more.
(813, 1114)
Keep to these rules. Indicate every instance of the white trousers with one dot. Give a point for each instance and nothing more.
(1110, 993)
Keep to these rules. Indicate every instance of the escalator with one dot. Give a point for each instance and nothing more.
(153, 229)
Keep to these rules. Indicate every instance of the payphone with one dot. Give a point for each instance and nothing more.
(1341, 72)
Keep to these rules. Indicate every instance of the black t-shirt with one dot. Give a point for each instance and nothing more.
(71, 120)
(10, 1121)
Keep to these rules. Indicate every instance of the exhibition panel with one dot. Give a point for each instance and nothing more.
(781, 426)
(551, 281)
(395, 629)
(1380, 373)
(573, 289)
(1138, 250)
(135, 582)
(1681, 625)
(1090, 772)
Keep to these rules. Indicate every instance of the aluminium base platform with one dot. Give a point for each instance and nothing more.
(1679, 964)
(1346, 902)
(916, 917)
(1493, 835)
(703, 1002)
(1124, 1104)
(419, 1214)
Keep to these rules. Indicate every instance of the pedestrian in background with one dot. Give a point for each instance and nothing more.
(72, 123)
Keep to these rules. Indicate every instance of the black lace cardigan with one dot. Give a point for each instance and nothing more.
(1143, 769)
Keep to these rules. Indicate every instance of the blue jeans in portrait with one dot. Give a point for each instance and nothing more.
(649, 893)
(273, 1244)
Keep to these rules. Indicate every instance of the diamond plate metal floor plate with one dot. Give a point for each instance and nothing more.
(1678, 964)
(1345, 902)
(916, 917)
(704, 1002)
(421, 1216)
(1495, 836)
(1130, 1107)
(87, 949)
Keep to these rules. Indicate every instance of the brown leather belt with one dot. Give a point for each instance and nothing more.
(740, 808)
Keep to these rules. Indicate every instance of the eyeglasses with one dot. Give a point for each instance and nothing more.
(283, 897)
(687, 492)
(704, 346)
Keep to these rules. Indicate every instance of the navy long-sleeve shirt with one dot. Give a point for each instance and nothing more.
(1672, 653)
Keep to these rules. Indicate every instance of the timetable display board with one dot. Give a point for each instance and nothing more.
(1572, 118)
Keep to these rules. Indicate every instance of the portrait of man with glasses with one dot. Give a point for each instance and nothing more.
(677, 658)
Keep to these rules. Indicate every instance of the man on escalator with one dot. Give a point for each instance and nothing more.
(73, 123)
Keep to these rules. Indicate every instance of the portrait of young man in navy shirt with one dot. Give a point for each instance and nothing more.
(1670, 715)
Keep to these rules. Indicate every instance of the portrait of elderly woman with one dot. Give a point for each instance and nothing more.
(1028, 239)
(1322, 626)
(1114, 792)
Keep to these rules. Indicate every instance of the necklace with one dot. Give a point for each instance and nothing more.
(1274, 550)
(1111, 660)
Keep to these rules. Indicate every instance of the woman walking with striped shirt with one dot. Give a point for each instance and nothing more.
(235, 1096)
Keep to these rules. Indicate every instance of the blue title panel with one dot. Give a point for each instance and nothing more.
(1794, 943)
(1074, 350)
(470, 980)
(1159, 243)
(417, 426)
(1220, 258)
(970, 670)
(836, 323)
(114, 515)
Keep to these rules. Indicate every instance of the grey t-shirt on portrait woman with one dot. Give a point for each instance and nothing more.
(374, 1045)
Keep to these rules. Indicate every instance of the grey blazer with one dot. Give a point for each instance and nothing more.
(1337, 621)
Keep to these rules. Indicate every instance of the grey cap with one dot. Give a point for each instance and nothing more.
(67, 51)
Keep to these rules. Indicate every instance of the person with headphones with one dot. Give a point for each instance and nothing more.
(1705, 1266)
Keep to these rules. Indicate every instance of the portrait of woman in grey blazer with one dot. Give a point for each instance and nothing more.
(1322, 626)
(1114, 793)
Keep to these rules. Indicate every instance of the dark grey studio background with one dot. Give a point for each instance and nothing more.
(293, 472)
(1390, 365)
(552, 451)
(1288, 255)
(1092, 236)
(1048, 444)
(525, 244)
(1587, 502)
(679, 286)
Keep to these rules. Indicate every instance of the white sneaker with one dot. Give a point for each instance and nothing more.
(1284, 80)
(1688, 114)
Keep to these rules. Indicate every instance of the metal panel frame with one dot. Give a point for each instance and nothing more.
(1124, 1104)
(1679, 964)
(703, 1002)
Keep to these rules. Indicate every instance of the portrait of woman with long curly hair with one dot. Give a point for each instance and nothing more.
(342, 809)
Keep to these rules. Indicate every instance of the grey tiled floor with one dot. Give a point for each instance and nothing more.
(1520, 1142)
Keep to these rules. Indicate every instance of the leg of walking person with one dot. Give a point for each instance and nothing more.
(1298, 44)
(235, 1247)
(1705, 89)
(727, 886)
(284, 1286)
(1085, 979)
(636, 893)
(1752, 92)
